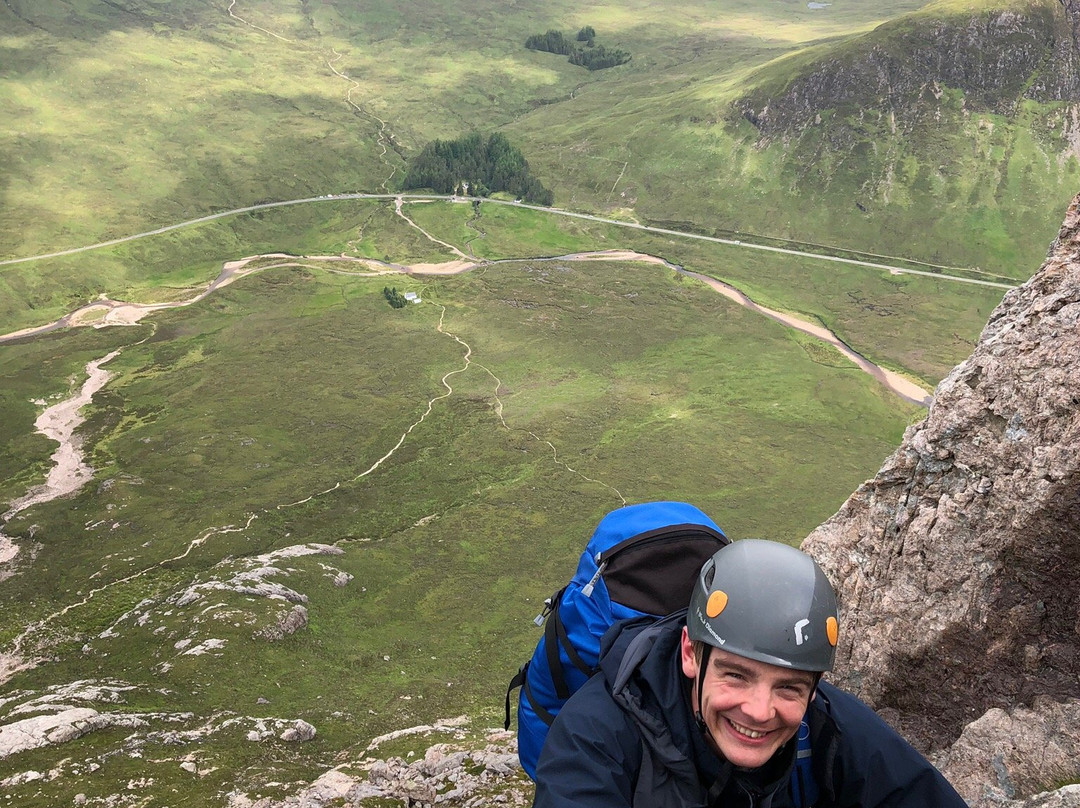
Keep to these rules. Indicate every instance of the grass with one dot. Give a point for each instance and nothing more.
(267, 415)
(958, 188)
(917, 325)
(194, 111)
(639, 378)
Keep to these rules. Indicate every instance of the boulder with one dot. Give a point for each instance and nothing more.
(1029, 748)
(287, 623)
(299, 732)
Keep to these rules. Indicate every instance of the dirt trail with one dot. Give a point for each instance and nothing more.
(256, 27)
(111, 312)
(903, 387)
(399, 202)
(107, 312)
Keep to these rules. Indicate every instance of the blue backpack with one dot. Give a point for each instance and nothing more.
(642, 561)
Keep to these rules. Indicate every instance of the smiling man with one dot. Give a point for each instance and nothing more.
(723, 705)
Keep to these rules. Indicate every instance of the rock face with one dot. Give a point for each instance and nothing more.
(956, 565)
(1026, 744)
(997, 57)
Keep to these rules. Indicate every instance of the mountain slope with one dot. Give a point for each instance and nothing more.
(949, 135)
(961, 118)
(997, 55)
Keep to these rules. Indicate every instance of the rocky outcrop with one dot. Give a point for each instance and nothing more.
(287, 623)
(956, 564)
(1026, 744)
(997, 57)
(476, 774)
(251, 579)
(53, 728)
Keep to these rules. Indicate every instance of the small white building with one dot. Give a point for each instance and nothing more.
(412, 297)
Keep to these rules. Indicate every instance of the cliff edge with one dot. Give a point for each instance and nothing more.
(997, 56)
(956, 564)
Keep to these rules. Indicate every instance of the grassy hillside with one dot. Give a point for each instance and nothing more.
(905, 140)
(525, 400)
(123, 117)
(121, 114)
(439, 466)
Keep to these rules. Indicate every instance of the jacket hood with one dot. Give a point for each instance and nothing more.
(639, 661)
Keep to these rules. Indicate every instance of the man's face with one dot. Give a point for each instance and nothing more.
(750, 708)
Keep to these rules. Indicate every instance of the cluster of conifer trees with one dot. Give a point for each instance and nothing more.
(394, 297)
(582, 50)
(486, 164)
(551, 42)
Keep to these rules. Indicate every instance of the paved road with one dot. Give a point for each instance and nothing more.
(554, 211)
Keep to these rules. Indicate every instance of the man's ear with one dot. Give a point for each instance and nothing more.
(689, 658)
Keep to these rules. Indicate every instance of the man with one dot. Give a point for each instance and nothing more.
(706, 707)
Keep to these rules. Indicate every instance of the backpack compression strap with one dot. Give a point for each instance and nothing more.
(556, 636)
(518, 681)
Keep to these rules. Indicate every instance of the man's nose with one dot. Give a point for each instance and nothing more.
(759, 704)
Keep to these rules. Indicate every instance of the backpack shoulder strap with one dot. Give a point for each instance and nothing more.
(804, 788)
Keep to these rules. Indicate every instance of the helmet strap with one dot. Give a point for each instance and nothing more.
(703, 667)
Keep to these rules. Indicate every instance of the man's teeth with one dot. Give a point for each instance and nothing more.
(749, 733)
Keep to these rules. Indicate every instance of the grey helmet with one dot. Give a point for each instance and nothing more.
(766, 601)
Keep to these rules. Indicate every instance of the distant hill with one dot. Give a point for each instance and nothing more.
(959, 118)
(925, 67)
(946, 134)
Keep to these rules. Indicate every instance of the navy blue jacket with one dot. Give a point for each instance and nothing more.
(628, 738)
